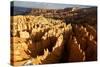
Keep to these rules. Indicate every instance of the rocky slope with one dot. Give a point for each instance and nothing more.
(42, 39)
(46, 40)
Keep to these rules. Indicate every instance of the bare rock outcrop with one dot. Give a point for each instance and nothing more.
(43, 39)
(46, 40)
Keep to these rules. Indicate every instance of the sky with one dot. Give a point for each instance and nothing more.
(45, 5)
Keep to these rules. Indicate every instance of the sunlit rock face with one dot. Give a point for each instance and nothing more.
(45, 40)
